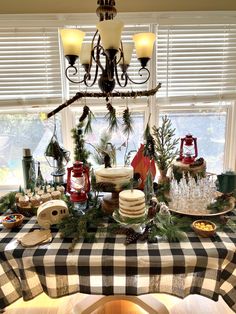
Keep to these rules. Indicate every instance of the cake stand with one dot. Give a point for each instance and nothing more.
(112, 181)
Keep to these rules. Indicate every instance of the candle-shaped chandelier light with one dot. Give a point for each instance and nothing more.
(107, 43)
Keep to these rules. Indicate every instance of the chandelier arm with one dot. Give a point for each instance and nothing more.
(94, 80)
(124, 76)
(97, 49)
(97, 59)
(75, 72)
(79, 95)
(121, 56)
(143, 82)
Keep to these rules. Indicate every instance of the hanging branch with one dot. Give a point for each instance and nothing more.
(127, 122)
(111, 117)
(80, 95)
(87, 113)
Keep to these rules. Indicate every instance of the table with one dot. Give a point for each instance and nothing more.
(107, 267)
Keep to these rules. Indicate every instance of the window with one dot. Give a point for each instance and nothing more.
(29, 63)
(209, 128)
(18, 131)
(196, 60)
(123, 144)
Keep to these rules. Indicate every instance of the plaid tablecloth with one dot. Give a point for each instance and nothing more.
(196, 266)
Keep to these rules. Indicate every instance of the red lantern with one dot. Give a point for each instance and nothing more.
(188, 149)
(78, 184)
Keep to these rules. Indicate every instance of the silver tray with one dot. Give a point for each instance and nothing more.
(225, 210)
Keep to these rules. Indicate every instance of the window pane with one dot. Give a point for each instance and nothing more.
(18, 131)
(100, 125)
(209, 128)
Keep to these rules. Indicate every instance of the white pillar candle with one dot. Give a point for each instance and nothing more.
(85, 53)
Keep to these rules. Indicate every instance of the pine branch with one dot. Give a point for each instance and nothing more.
(111, 117)
(127, 122)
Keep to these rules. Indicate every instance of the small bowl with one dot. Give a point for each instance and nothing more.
(12, 221)
(204, 228)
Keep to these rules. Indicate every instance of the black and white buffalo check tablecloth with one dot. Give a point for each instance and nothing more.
(195, 266)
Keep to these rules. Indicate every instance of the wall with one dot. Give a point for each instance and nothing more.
(77, 6)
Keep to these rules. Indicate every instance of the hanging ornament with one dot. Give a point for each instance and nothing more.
(127, 122)
(111, 117)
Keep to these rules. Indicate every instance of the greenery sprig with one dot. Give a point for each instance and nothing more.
(220, 203)
(127, 122)
(87, 113)
(149, 147)
(111, 117)
(7, 201)
(169, 227)
(80, 152)
(85, 226)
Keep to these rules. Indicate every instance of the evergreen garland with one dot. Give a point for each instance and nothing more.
(80, 152)
(85, 226)
(169, 227)
(162, 225)
(220, 203)
(7, 202)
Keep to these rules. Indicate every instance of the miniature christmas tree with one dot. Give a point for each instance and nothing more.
(161, 146)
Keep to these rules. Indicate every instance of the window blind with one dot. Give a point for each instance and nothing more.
(196, 61)
(29, 63)
(128, 32)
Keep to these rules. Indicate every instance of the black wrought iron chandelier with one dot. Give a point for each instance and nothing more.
(106, 51)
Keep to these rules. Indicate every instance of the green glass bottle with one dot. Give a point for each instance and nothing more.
(28, 166)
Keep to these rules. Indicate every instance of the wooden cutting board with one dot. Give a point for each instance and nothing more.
(35, 237)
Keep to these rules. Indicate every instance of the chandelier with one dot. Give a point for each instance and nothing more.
(106, 51)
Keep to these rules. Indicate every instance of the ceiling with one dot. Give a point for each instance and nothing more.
(89, 6)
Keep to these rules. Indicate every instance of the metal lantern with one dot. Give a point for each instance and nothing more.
(57, 158)
(188, 149)
(78, 185)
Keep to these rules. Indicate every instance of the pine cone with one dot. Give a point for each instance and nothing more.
(131, 237)
(84, 114)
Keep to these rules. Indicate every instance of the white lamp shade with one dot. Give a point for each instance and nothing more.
(72, 41)
(85, 53)
(127, 50)
(144, 44)
(110, 32)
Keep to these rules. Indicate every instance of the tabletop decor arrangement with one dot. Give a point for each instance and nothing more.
(153, 211)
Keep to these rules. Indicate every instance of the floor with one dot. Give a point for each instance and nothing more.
(193, 304)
